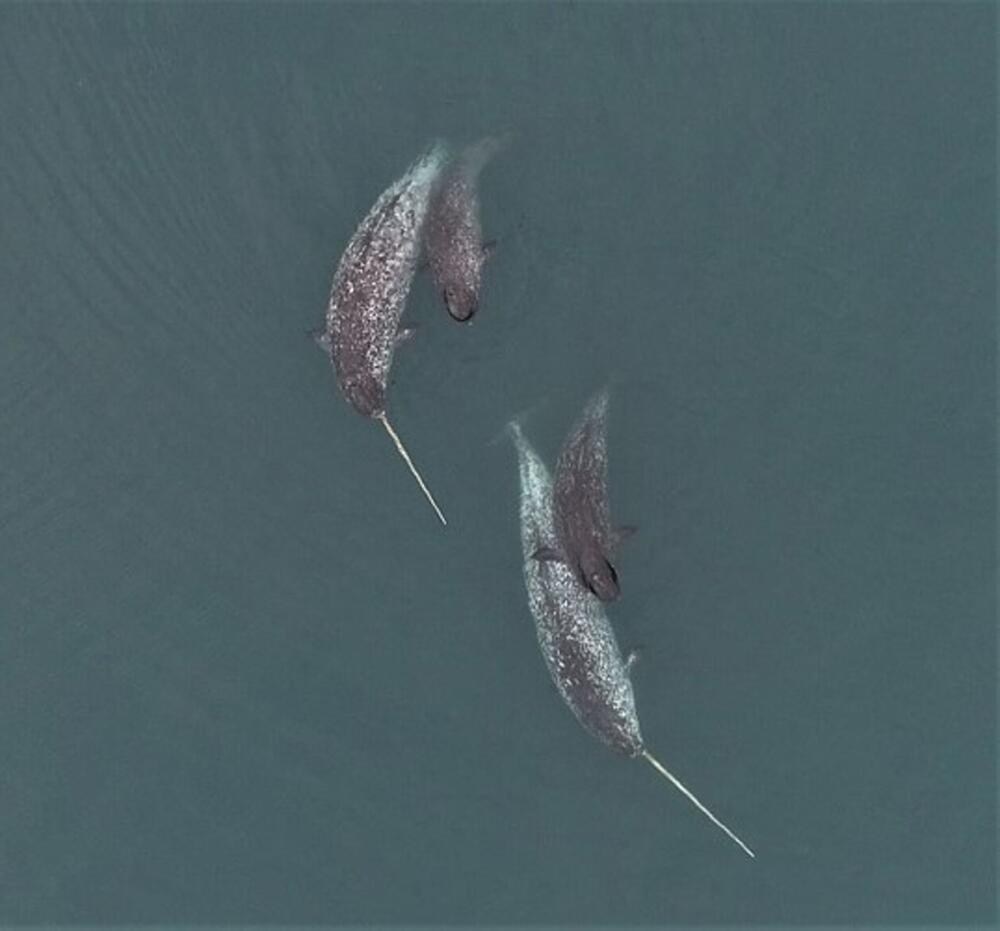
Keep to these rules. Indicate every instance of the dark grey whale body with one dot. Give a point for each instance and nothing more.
(585, 539)
(454, 238)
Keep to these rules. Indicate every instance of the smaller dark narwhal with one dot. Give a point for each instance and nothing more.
(453, 237)
(369, 294)
(585, 539)
(577, 641)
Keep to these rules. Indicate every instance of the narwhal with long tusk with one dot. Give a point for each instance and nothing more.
(369, 293)
(575, 636)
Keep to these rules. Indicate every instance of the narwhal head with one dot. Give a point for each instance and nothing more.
(598, 574)
(461, 300)
(365, 392)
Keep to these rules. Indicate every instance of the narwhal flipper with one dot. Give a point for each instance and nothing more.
(405, 333)
(619, 535)
(548, 554)
(475, 157)
(321, 338)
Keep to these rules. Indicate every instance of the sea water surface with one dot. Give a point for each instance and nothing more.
(245, 675)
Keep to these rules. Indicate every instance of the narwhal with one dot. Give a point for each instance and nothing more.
(456, 252)
(585, 539)
(575, 636)
(369, 293)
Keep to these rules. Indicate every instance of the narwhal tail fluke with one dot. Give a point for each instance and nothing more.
(660, 768)
(409, 462)
(476, 157)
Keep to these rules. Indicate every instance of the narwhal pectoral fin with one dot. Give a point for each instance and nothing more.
(489, 247)
(320, 337)
(548, 554)
(405, 333)
(620, 534)
(634, 655)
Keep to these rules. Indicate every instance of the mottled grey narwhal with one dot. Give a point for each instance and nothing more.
(454, 238)
(369, 293)
(577, 641)
(585, 539)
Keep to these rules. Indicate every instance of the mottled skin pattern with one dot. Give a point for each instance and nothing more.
(581, 514)
(454, 235)
(574, 633)
(371, 284)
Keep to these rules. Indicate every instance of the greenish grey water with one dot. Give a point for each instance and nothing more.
(246, 677)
